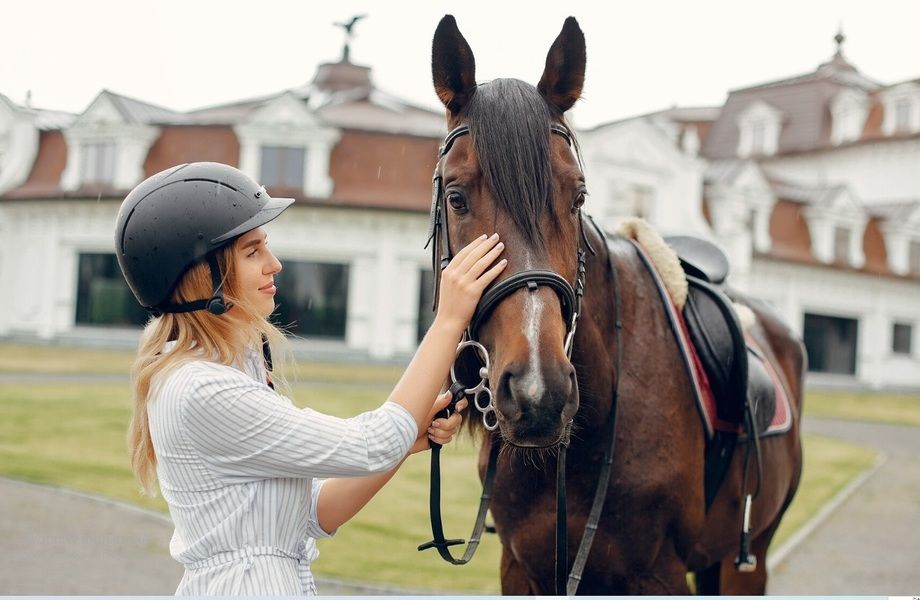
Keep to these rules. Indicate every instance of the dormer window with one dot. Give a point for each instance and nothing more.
(913, 263)
(98, 163)
(836, 224)
(849, 110)
(109, 142)
(283, 167)
(842, 245)
(902, 114)
(901, 104)
(18, 144)
(284, 144)
(759, 127)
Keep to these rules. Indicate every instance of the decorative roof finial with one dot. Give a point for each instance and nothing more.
(840, 38)
(346, 49)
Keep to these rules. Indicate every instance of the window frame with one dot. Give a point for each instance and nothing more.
(906, 349)
(293, 321)
(283, 162)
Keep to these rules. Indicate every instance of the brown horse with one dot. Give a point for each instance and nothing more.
(510, 173)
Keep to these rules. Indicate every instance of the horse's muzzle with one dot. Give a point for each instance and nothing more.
(535, 406)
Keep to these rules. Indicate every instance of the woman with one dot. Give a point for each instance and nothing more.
(250, 479)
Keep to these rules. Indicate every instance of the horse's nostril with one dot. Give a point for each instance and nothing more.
(505, 402)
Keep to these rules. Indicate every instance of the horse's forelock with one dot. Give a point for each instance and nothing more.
(510, 125)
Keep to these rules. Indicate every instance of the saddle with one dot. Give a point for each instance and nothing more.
(735, 371)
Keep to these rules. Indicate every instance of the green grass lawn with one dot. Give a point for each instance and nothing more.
(897, 409)
(829, 465)
(74, 436)
(15, 358)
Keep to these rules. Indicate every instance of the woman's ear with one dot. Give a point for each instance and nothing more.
(453, 67)
(564, 74)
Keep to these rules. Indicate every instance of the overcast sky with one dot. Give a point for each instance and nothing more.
(642, 55)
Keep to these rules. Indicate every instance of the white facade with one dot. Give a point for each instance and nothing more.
(42, 241)
(875, 172)
(634, 168)
(877, 303)
(18, 144)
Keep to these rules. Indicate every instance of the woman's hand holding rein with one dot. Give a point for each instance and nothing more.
(462, 284)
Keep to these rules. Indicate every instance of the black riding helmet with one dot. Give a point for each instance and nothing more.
(178, 218)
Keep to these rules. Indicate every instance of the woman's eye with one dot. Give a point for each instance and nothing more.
(456, 200)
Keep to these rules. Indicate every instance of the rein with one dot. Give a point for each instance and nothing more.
(570, 302)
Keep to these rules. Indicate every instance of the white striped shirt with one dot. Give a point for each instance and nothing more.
(237, 464)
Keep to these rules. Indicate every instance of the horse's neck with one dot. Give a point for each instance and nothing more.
(649, 351)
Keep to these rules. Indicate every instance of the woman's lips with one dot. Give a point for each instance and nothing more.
(268, 289)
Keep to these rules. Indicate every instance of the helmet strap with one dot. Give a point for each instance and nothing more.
(215, 304)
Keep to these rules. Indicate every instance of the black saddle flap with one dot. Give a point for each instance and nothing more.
(716, 334)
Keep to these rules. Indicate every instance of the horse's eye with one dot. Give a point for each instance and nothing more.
(456, 201)
(580, 196)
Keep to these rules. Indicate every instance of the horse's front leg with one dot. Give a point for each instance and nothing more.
(514, 578)
(666, 576)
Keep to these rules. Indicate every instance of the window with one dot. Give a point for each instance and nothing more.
(831, 344)
(103, 297)
(759, 126)
(902, 110)
(312, 299)
(914, 258)
(635, 200)
(901, 335)
(98, 164)
(842, 245)
(425, 302)
(282, 167)
(758, 137)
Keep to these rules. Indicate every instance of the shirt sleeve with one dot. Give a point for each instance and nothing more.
(242, 428)
(313, 528)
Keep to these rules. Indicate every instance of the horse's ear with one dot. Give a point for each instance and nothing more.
(564, 74)
(453, 67)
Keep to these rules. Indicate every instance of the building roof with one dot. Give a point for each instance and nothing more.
(342, 95)
(145, 113)
(803, 101)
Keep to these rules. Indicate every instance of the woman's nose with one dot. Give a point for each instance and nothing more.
(274, 265)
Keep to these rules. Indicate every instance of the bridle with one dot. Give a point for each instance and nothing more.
(570, 299)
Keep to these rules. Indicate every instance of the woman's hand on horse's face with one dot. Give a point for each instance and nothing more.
(465, 277)
(440, 430)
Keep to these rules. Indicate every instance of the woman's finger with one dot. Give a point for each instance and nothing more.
(483, 263)
(489, 276)
(462, 254)
(476, 253)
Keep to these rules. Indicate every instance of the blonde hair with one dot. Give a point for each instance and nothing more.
(224, 339)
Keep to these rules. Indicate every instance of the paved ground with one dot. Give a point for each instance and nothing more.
(871, 543)
(55, 542)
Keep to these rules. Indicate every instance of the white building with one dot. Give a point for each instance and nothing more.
(811, 186)
(809, 183)
(357, 161)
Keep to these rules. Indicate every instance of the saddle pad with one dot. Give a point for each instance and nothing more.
(705, 400)
(782, 411)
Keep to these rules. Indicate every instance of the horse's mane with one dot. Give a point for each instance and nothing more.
(509, 122)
